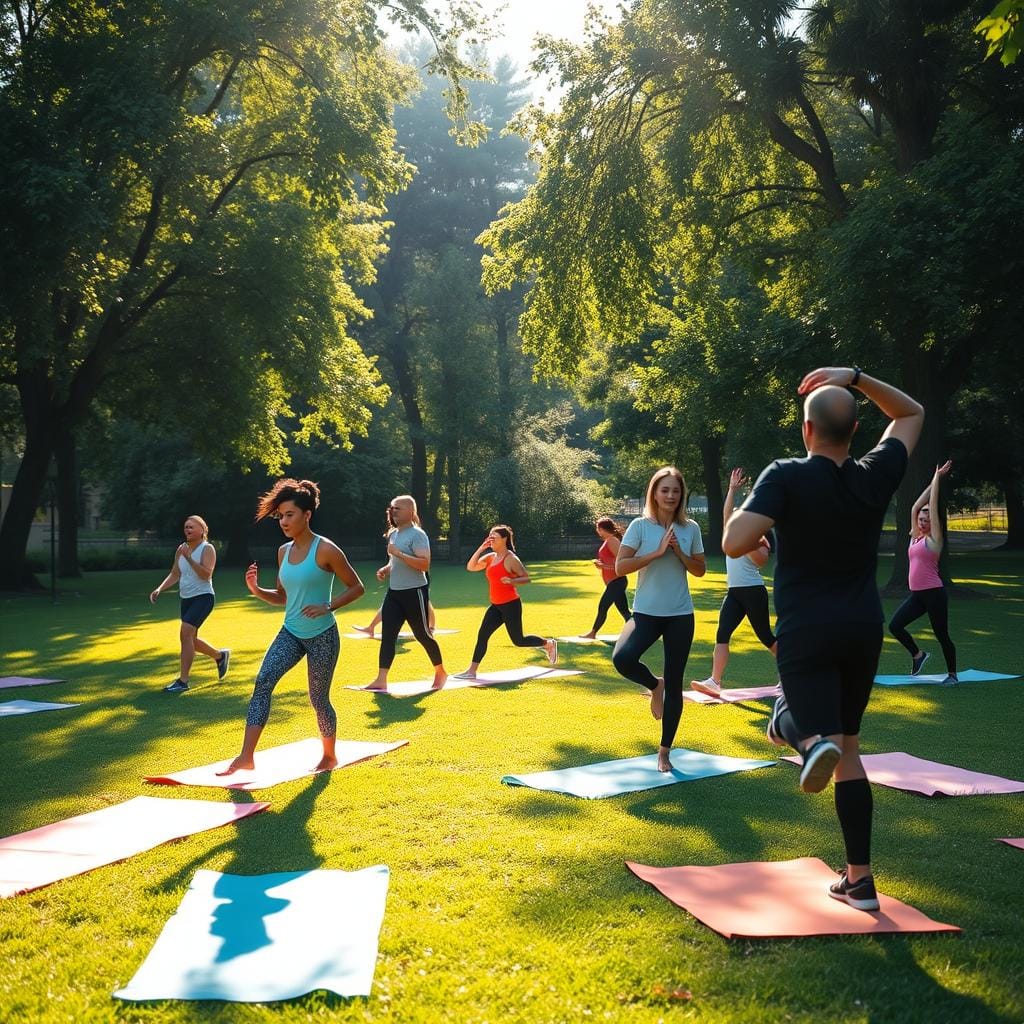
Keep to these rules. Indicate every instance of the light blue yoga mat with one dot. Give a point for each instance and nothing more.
(260, 938)
(969, 675)
(25, 707)
(632, 774)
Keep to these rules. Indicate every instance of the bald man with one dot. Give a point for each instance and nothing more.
(827, 512)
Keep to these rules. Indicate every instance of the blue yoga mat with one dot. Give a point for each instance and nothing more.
(11, 708)
(632, 774)
(259, 938)
(969, 675)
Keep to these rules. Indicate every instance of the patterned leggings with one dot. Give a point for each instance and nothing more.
(285, 653)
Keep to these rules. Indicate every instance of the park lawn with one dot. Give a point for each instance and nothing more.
(507, 904)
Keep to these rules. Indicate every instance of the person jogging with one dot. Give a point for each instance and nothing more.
(614, 585)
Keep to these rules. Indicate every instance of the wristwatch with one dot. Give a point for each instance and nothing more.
(856, 377)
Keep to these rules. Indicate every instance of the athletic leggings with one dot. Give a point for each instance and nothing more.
(614, 594)
(639, 634)
(936, 604)
(399, 607)
(511, 614)
(751, 602)
(287, 650)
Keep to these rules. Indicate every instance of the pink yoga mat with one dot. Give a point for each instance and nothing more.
(1019, 843)
(45, 855)
(732, 696)
(916, 775)
(10, 682)
(275, 765)
(777, 900)
(511, 675)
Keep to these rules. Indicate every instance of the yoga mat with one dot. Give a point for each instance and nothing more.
(1019, 843)
(45, 855)
(26, 707)
(777, 900)
(275, 765)
(601, 638)
(260, 938)
(10, 682)
(970, 675)
(732, 696)
(403, 635)
(512, 675)
(904, 771)
(632, 774)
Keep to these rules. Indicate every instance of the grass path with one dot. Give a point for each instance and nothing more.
(508, 905)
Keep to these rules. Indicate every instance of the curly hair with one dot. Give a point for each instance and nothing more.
(303, 493)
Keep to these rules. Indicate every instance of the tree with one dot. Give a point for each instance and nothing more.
(1003, 30)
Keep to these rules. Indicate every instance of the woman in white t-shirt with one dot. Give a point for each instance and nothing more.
(747, 597)
(192, 569)
(662, 546)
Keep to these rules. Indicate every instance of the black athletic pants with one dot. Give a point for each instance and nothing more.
(399, 607)
(614, 594)
(935, 603)
(751, 602)
(511, 615)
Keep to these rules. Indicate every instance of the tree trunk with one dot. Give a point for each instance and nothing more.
(711, 469)
(1014, 514)
(66, 454)
(430, 523)
(405, 379)
(236, 549)
(454, 505)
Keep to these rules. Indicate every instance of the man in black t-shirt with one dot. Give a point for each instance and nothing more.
(827, 512)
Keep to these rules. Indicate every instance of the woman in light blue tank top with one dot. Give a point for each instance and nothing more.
(307, 566)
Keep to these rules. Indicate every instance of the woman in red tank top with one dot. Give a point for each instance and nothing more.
(504, 573)
(614, 585)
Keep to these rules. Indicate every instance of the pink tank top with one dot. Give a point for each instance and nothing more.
(607, 560)
(924, 566)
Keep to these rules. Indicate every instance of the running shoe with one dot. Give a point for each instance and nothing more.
(706, 686)
(222, 665)
(819, 764)
(860, 895)
(176, 687)
(552, 652)
(917, 663)
(950, 680)
(772, 732)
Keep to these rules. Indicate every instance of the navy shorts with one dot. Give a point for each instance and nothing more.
(196, 610)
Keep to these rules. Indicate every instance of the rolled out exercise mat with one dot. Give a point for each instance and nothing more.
(10, 682)
(601, 638)
(777, 900)
(404, 635)
(10, 708)
(511, 675)
(733, 696)
(275, 765)
(45, 855)
(632, 774)
(1019, 843)
(969, 675)
(915, 774)
(258, 938)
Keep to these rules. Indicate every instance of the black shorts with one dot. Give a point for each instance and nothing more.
(196, 610)
(827, 672)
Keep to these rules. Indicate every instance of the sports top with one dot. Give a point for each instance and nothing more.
(742, 572)
(500, 593)
(410, 540)
(661, 586)
(305, 583)
(924, 565)
(191, 584)
(607, 559)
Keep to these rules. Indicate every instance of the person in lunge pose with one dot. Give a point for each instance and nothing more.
(663, 546)
(408, 596)
(827, 511)
(614, 584)
(747, 596)
(927, 592)
(192, 569)
(307, 566)
(497, 559)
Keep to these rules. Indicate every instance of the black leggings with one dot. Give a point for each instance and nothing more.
(639, 634)
(511, 614)
(936, 604)
(399, 607)
(614, 594)
(751, 602)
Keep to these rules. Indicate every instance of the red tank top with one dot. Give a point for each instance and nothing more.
(607, 560)
(501, 593)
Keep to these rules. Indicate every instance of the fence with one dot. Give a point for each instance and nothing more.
(987, 518)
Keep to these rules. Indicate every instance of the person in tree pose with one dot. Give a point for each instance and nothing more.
(614, 584)
(664, 547)
(746, 597)
(497, 559)
(307, 566)
(408, 596)
(827, 511)
(927, 591)
(192, 569)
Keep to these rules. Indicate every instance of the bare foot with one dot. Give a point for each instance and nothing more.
(658, 700)
(588, 636)
(376, 687)
(240, 764)
(664, 764)
(326, 763)
(440, 679)
(363, 629)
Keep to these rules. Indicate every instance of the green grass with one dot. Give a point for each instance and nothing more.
(508, 905)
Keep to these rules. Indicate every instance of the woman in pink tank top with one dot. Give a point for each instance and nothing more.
(927, 592)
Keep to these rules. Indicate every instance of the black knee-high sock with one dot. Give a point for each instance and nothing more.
(854, 806)
(786, 727)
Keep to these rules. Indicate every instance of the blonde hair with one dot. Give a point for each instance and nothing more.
(202, 525)
(651, 508)
(415, 512)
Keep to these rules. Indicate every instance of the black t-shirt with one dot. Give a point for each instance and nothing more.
(828, 520)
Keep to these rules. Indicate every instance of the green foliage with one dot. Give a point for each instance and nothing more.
(1003, 30)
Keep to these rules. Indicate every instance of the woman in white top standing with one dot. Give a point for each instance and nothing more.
(192, 569)
(662, 546)
(747, 597)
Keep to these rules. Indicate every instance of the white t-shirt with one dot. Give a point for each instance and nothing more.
(662, 587)
(191, 584)
(742, 572)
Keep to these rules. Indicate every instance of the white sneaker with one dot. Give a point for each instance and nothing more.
(706, 686)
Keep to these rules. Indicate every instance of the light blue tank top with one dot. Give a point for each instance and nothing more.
(305, 583)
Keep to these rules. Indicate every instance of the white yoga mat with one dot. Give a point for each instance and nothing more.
(11, 708)
(512, 675)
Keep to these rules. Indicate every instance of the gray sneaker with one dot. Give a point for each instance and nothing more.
(222, 665)
(819, 764)
(176, 687)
